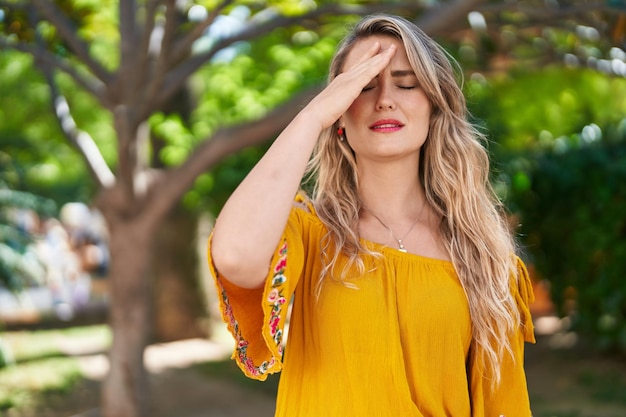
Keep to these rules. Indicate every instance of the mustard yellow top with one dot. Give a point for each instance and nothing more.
(397, 345)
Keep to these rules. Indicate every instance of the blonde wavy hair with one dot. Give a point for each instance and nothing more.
(454, 171)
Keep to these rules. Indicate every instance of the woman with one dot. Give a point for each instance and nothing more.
(408, 299)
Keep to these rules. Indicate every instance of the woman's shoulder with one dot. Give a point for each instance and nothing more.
(303, 211)
(304, 206)
(303, 202)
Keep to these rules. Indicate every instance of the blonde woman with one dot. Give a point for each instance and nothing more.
(408, 298)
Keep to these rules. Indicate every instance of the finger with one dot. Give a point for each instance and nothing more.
(372, 66)
(374, 49)
(351, 82)
(337, 97)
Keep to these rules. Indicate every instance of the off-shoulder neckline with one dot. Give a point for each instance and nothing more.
(382, 247)
(395, 252)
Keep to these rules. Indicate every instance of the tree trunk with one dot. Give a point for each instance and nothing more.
(180, 309)
(125, 390)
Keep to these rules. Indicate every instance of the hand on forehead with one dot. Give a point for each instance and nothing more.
(359, 51)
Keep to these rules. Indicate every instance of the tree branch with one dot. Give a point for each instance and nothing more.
(81, 140)
(172, 185)
(68, 33)
(128, 22)
(146, 40)
(178, 76)
(172, 22)
(548, 16)
(186, 43)
(92, 85)
(86, 146)
(160, 68)
(12, 5)
(446, 17)
(545, 12)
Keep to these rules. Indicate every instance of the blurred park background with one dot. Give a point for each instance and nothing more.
(124, 126)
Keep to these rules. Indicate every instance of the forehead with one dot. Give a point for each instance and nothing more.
(360, 48)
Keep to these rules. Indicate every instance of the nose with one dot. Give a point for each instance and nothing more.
(385, 100)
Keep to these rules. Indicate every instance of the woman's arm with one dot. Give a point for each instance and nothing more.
(254, 217)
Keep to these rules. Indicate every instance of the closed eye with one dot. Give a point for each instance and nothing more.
(407, 87)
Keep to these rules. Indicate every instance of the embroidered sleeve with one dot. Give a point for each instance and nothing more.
(256, 318)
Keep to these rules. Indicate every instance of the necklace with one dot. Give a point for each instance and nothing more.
(401, 247)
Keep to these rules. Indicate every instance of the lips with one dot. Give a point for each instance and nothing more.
(386, 125)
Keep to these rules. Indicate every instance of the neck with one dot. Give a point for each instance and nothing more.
(392, 189)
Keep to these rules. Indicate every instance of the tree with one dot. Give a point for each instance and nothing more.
(162, 45)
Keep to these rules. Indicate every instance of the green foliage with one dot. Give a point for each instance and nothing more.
(567, 189)
(530, 110)
(275, 68)
(94, 20)
(213, 188)
(572, 203)
(241, 87)
(31, 160)
(34, 155)
(40, 366)
(241, 83)
(21, 385)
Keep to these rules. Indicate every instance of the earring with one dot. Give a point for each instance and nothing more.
(340, 132)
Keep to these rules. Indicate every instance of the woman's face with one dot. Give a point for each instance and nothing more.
(390, 118)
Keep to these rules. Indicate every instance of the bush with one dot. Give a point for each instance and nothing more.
(571, 201)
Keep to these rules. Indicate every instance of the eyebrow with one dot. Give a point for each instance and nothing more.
(403, 73)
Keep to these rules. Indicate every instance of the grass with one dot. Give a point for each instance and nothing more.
(38, 344)
(22, 384)
(41, 365)
(608, 386)
(575, 382)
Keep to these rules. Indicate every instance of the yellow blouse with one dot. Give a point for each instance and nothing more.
(396, 344)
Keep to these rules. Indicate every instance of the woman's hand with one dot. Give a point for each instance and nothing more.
(332, 102)
(244, 239)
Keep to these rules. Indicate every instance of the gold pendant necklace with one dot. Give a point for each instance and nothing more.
(401, 247)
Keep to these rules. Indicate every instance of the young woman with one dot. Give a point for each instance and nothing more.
(408, 298)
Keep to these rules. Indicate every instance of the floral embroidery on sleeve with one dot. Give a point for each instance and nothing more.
(276, 301)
